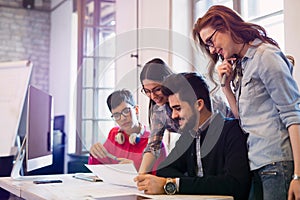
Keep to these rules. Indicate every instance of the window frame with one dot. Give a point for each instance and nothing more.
(81, 135)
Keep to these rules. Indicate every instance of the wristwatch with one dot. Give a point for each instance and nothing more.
(296, 177)
(170, 187)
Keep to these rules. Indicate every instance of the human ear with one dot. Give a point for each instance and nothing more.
(199, 104)
(137, 109)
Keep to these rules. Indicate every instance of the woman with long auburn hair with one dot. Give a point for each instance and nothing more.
(256, 78)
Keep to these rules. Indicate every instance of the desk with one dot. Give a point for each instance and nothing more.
(72, 188)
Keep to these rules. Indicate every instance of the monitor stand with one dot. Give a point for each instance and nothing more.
(15, 173)
(18, 165)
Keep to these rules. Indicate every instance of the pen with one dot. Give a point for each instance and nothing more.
(111, 156)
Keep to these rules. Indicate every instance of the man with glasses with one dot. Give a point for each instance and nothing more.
(127, 141)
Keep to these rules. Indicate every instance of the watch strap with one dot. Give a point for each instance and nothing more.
(296, 177)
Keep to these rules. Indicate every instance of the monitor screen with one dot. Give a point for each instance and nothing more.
(37, 144)
(39, 129)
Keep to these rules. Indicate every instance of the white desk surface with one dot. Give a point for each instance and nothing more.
(72, 188)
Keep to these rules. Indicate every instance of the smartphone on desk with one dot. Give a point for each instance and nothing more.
(46, 181)
(87, 177)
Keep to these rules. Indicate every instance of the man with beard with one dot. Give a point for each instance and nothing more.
(220, 167)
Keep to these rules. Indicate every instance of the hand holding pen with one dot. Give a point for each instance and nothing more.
(111, 156)
(225, 70)
(120, 160)
(99, 151)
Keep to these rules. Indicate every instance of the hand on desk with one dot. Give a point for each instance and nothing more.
(150, 184)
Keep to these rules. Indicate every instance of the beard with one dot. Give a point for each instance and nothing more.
(190, 124)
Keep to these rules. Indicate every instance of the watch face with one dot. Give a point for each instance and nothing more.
(170, 188)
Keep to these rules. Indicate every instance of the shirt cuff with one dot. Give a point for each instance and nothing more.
(177, 184)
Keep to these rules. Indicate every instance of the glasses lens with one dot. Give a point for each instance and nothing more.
(126, 111)
(156, 90)
(146, 92)
(116, 116)
(209, 42)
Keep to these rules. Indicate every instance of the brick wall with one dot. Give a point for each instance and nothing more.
(25, 34)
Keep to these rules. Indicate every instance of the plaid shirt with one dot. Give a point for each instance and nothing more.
(160, 121)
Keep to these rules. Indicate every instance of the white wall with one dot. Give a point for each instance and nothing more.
(61, 69)
(182, 16)
(152, 29)
(292, 33)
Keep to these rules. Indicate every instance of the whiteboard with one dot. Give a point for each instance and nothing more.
(14, 80)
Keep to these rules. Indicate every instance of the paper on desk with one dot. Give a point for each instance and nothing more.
(119, 174)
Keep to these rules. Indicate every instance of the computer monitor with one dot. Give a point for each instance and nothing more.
(37, 144)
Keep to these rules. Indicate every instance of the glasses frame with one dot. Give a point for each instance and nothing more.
(156, 91)
(208, 42)
(125, 112)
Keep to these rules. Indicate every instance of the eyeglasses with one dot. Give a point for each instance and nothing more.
(156, 91)
(209, 42)
(125, 112)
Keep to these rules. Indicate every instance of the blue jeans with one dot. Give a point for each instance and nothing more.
(272, 181)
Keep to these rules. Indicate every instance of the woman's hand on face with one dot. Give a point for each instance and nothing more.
(98, 151)
(226, 68)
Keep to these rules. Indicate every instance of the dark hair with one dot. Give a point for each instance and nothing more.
(223, 19)
(155, 70)
(190, 87)
(119, 96)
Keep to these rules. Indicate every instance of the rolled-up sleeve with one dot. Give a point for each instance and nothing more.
(158, 127)
(281, 87)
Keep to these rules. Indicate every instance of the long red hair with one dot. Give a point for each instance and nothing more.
(223, 19)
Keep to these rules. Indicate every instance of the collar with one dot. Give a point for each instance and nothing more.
(140, 133)
(207, 122)
(159, 108)
(252, 48)
(203, 126)
(142, 130)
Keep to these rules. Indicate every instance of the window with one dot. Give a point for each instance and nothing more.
(267, 13)
(201, 6)
(96, 73)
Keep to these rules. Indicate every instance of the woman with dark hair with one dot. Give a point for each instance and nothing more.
(159, 114)
(262, 93)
